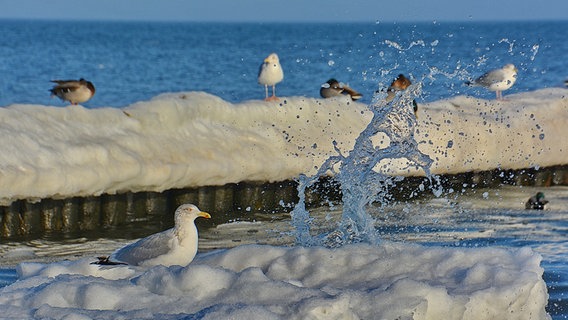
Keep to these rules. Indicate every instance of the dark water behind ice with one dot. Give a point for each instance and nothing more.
(130, 62)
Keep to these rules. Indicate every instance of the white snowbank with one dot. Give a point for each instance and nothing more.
(468, 134)
(195, 139)
(172, 141)
(386, 281)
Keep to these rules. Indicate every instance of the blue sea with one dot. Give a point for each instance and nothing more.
(132, 62)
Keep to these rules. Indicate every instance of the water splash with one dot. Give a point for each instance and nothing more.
(359, 173)
(510, 43)
(399, 47)
(534, 51)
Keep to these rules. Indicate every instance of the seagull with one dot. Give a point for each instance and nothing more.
(536, 202)
(175, 246)
(270, 74)
(74, 91)
(334, 88)
(497, 80)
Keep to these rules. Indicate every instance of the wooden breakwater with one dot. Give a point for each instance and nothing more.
(226, 203)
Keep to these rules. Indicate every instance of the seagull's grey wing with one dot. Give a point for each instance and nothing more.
(490, 78)
(145, 249)
(261, 68)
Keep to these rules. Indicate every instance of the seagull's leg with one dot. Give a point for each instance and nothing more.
(266, 91)
(273, 98)
(499, 96)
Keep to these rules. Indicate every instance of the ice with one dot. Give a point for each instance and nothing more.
(173, 141)
(469, 134)
(193, 139)
(358, 281)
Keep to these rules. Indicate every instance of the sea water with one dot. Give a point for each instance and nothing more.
(133, 62)
(130, 62)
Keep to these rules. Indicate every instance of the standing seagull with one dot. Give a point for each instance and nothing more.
(497, 80)
(270, 74)
(74, 91)
(175, 246)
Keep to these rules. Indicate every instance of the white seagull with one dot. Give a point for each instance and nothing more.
(175, 246)
(497, 80)
(270, 74)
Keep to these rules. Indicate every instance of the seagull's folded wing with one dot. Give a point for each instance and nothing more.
(146, 249)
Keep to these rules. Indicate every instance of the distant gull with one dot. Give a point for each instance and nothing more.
(270, 74)
(175, 246)
(74, 91)
(334, 88)
(497, 80)
(536, 202)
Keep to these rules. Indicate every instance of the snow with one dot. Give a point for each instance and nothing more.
(173, 141)
(469, 134)
(358, 281)
(192, 139)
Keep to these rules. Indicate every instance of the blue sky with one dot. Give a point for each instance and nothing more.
(288, 10)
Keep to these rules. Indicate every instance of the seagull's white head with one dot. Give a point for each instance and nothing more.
(510, 67)
(272, 59)
(188, 213)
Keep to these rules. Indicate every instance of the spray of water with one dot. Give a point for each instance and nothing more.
(359, 173)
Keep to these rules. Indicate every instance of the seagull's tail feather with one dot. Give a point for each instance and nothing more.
(105, 261)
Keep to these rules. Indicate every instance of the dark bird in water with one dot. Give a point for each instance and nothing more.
(497, 80)
(536, 202)
(333, 88)
(74, 91)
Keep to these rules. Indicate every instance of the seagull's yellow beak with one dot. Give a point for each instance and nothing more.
(204, 215)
